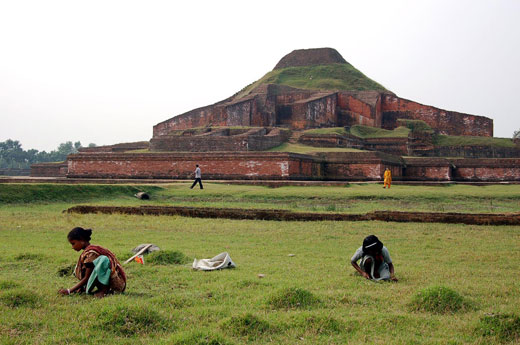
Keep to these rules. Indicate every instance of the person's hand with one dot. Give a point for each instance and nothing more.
(64, 291)
(366, 275)
(394, 279)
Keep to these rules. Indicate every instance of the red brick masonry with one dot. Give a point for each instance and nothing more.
(289, 166)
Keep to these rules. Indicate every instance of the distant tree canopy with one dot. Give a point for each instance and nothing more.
(516, 134)
(12, 156)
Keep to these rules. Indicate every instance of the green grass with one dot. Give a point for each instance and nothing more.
(332, 77)
(354, 198)
(305, 149)
(27, 193)
(327, 131)
(439, 300)
(451, 140)
(367, 132)
(319, 298)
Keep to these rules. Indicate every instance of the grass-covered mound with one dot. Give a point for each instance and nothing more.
(293, 298)
(318, 324)
(45, 193)
(331, 77)
(129, 320)
(248, 325)
(166, 257)
(20, 298)
(198, 338)
(439, 300)
(504, 327)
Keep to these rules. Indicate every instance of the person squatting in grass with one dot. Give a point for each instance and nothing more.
(96, 267)
(376, 263)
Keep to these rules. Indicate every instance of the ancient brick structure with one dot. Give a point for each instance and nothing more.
(49, 169)
(270, 105)
(343, 166)
(220, 139)
(123, 147)
(229, 138)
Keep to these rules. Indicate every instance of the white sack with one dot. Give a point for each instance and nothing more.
(223, 260)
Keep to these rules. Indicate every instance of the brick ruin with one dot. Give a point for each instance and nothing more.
(229, 138)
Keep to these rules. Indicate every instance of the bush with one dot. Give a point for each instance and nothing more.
(247, 325)
(415, 125)
(293, 298)
(197, 338)
(20, 298)
(505, 327)
(128, 321)
(439, 300)
(166, 257)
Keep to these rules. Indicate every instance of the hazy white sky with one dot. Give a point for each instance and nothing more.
(107, 71)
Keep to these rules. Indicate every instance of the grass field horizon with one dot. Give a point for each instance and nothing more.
(312, 297)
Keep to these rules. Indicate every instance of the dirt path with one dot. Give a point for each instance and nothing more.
(236, 213)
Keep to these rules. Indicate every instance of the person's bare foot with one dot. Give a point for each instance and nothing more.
(100, 294)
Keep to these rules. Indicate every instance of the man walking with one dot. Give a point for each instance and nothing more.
(197, 178)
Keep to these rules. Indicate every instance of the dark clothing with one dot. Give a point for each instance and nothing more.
(197, 179)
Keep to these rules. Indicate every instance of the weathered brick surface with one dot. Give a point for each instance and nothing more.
(486, 169)
(446, 122)
(427, 169)
(256, 139)
(181, 165)
(138, 145)
(49, 169)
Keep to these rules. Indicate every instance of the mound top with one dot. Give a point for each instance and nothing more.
(310, 57)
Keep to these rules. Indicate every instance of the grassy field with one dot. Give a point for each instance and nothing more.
(457, 284)
(354, 198)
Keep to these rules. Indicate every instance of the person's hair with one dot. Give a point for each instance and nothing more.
(80, 234)
(372, 243)
(196, 165)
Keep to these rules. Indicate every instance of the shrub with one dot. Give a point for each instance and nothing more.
(293, 298)
(197, 338)
(128, 321)
(20, 298)
(166, 257)
(505, 327)
(7, 284)
(247, 325)
(439, 300)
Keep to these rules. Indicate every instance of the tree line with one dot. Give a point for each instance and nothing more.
(13, 156)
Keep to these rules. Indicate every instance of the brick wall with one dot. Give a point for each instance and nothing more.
(433, 169)
(255, 139)
(229, 165)
(486, 169)
(49, 169)
(446, 122)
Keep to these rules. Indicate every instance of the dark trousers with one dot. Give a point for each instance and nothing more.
(195, 182)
